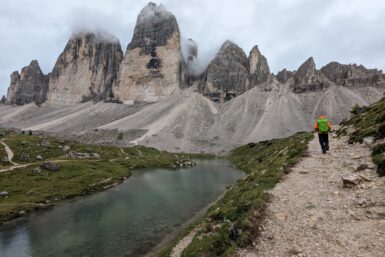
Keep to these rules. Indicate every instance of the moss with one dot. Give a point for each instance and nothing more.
(231, 222)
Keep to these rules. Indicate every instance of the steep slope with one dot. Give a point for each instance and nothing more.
(190, 122)
(29, 86)
(152, 66)
(86, 70)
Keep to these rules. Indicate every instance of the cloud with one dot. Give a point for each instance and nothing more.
(286, 31)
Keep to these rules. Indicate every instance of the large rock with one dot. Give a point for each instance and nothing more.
(353, 75)
(307, 78)
(152, 67)
(28, 86)
(86, 70)
(227, 76)
(259, 68)
(50, 166)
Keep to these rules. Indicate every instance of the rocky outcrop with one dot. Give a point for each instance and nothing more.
(284, 75)
(259, 68)
(28, 86)
(307, 78)
(227, 76)
(353, 75)
(86, 70)
(152, 67)
(3, 100)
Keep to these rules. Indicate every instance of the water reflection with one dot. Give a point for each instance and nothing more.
(127, 220)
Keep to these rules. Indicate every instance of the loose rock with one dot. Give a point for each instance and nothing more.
(51, 166)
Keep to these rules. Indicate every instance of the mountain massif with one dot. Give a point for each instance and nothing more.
(153, 94)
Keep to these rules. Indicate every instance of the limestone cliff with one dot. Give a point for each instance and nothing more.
(259, 68)
(86, 70)
(28, 86)
(227, 76)
(308, 78)
(353, 75)
(152, 67)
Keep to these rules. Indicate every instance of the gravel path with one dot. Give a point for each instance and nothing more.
(9, 152)
(311, 213)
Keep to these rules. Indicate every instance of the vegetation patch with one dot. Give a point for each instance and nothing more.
(368, 122)
(88, 169)
(232, 221)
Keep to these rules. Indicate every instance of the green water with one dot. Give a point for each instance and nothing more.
(128, 220)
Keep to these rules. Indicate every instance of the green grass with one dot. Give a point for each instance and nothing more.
(232, 221)
(28, 191)
(370, 122)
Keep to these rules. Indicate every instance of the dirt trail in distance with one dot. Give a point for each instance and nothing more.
(9, 152)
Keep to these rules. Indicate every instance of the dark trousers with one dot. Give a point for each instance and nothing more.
(324, 141)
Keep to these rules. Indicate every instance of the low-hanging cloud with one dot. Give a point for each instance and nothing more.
(286, 31)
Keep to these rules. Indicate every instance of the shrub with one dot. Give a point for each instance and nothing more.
(355, 109)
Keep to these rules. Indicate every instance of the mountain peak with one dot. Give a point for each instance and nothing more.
(305, 71)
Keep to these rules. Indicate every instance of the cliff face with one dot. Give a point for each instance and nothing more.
(259, 68)
(28, 86)
(308, 78)
(353, 75)
(284, 75)
(227, 75)
(86, 70)
(152, 67)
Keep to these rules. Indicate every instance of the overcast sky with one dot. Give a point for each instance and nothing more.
(287, 31)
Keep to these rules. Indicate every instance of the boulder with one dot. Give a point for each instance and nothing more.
(51, 166)
(4, 194)
(36, 170)
(368, 140)
(66, 148)
(352, 180)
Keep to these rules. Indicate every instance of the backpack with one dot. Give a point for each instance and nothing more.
(323, 126)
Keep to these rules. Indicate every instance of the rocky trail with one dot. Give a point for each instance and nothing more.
(329, 205)
(9, 152)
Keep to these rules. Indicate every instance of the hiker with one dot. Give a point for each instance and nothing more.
(323, 127)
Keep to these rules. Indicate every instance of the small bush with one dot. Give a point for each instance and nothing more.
(120, 136)
(378, 149)
(355, 109)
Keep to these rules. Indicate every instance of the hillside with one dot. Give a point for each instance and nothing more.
(323, 205)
